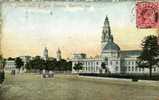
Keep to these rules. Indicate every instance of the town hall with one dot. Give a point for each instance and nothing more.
(114, 59)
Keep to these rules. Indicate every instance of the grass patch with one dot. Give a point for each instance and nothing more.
(69, 87)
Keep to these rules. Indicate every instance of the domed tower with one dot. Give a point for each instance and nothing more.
(45, 53)
(58, 54)
(109, 48)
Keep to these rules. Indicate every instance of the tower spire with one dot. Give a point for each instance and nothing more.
(106, 30)
(45, 53)
(106, 33)
(107, 25)
(58, 54)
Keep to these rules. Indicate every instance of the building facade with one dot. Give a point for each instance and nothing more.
(9, 65)
(114, 59)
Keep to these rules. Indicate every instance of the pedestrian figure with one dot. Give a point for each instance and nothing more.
(43, 73)
(51, 74)
(13, 72)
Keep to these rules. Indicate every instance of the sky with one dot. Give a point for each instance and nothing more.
(72, 27)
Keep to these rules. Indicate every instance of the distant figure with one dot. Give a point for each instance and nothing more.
(13, 72)
(43, 73)
(51, 74)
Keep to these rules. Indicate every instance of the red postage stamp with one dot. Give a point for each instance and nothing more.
(147, 14)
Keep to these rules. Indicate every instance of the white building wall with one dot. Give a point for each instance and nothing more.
(9, 66)
(131, 67)
(113, 64)
(89, 65)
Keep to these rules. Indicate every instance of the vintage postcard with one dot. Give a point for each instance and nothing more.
(79, 49)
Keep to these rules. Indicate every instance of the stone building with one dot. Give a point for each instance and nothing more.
(9, 65)
(115, 60)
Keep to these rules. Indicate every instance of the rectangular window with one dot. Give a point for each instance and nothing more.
(132, 68)
(97, 63)
(129, 68)
(154, 69)
(117, 62)
(135, 62)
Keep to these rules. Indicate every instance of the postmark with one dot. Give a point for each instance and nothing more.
(147, 14)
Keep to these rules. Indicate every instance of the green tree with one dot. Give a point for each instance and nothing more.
(10, 58)
(63, 65)
(149, 57)
(69, 66)
(2, 62)
(51, 64)
(78, 67)
(19, 63)
(37, 63)
(28, 66)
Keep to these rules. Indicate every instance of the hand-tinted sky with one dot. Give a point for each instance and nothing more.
(69, 26)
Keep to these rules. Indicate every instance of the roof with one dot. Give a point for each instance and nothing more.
(128, 53)
(111, 46)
